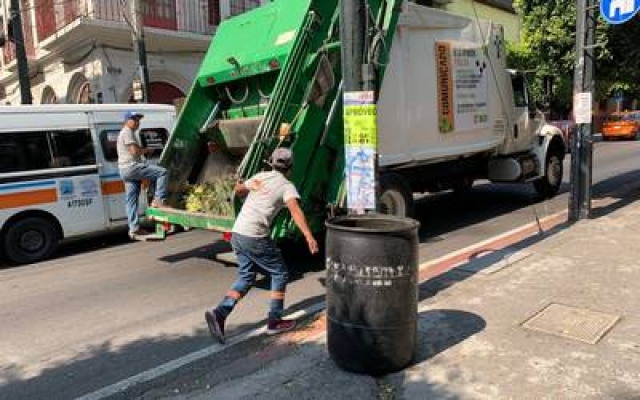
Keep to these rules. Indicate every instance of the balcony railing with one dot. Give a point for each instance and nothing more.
(174, 15)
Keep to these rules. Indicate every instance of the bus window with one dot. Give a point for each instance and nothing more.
(32, 151)
(153, 138)
(72, 148)
(24, 151)
(109, 142)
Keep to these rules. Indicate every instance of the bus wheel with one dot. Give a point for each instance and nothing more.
(29, 240)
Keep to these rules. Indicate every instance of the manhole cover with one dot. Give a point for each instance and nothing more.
(571, 322)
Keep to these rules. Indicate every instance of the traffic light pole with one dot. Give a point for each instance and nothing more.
(582, 140)
(21, 53)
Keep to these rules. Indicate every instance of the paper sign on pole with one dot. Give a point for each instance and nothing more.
(361, 142)
(583, 108)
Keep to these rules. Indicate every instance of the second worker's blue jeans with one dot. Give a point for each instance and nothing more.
(257, 255)
(133, 178)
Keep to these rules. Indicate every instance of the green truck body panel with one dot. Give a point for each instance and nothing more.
(278, 64)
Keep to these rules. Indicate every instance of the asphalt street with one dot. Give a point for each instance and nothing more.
(105, 309)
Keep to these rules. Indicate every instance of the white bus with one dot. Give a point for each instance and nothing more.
(59, 175)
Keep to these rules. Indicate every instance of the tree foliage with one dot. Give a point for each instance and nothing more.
(547, 48)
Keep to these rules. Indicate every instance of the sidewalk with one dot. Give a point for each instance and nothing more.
(472, 343)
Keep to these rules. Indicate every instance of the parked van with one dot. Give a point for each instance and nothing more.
(59, 174)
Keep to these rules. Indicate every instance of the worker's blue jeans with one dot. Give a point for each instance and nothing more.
(133, 178)
(257, 255)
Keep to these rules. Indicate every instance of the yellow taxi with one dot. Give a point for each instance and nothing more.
(625, 125)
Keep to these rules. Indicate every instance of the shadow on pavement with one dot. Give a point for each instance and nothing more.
(440, 330)
(206, 252)
(445, 212)
(615, 193)
(75, 377)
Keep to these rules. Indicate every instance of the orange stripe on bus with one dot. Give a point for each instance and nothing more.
(117, 187)
(113, 187)
(15, 200)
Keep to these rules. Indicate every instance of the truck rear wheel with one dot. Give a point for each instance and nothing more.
(29, 240)
(396, 197)
(549, 184)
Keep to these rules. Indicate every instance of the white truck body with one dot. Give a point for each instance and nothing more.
(448, 96)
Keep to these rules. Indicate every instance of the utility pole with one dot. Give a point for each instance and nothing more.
(140, 47)
(582, 141)
(17, 37)
(352, 38)
(359, 108)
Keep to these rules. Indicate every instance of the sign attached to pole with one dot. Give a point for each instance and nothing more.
(583, 108)
(361, 146)
(619, 11)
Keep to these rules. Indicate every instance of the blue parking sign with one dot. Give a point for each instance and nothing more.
(619, 11)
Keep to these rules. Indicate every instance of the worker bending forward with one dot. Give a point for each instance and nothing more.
(267, 193)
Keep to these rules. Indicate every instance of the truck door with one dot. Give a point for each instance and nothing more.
(526, 116)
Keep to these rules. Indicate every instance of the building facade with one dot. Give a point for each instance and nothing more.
(81, 51)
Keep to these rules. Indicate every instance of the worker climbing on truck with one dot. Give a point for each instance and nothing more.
(267, 193)
(134, 169)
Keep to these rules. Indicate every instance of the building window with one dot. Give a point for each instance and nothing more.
(160, 14)
(241, 6)
(214, 12)
(45, 18)
(84, 94)
(49, 96)
(9, 50)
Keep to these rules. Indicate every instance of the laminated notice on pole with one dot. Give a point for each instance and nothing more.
(361, 142)
(583, 108)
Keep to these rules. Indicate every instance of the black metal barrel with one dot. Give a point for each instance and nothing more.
(372, 295)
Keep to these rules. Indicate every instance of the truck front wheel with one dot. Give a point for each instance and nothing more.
(549, 184)
(396, 197)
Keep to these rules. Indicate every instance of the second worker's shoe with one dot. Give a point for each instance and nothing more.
(215, 322)
(138, 234)
(280, 325)
(159, 204)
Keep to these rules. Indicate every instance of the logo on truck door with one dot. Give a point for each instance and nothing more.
(463, 98)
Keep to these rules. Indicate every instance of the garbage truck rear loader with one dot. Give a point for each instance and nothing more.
(449, 111)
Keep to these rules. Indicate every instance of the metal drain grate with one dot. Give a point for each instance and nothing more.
(572, 323)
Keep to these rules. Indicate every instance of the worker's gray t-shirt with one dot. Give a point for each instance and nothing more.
(268, 193)
(125, 159)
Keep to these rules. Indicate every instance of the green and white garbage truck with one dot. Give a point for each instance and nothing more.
(449, 112)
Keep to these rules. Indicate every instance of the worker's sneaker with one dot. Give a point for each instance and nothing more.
(215, 321)
(280, 325)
